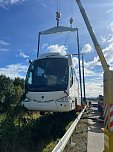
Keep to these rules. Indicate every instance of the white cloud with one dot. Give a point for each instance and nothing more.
(111, 26)
(4, 50)
(6, 3)
(75, 61)
(3, 43)
(93, 89)
(93, 78)
(43, 4)
(90, 73)
(103, 39)
(44, 45)
(108, 38)
(4, 46)
(93, 63)
(14, 70)
(87, 48)
(57, 48)
(93, 82)
(108, 52)
(22, 54)
(109, 11)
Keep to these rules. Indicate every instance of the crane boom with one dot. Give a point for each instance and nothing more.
(93, 37)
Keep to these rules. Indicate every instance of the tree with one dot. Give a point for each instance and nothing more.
(11, 92)
(6, 92)
(19, 82)
(19, 89)
(18, 93)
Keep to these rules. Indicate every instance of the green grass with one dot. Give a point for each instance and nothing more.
(2, 117)
(32, 132)
(49, 147)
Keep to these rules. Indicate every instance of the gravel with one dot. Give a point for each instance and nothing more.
(79, 137)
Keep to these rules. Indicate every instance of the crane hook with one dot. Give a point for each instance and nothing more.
(58, 14)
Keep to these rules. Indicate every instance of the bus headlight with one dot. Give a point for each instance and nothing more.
(64, 99)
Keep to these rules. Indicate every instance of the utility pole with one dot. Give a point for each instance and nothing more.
(84, 98)
(80, 77)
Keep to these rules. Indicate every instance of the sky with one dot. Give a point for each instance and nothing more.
(22, 20)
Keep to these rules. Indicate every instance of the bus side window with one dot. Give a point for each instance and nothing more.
(29, 78)
(71, 77)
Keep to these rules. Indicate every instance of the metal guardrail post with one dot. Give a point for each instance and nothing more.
(64, 140)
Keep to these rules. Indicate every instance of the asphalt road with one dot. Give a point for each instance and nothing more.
(95, 134)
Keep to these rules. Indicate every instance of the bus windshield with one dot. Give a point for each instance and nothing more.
(48, 74)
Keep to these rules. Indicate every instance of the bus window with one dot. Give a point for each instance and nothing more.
(71, 77)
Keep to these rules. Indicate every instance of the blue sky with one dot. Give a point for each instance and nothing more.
(21, 20)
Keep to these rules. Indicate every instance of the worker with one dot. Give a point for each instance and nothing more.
(90, 104)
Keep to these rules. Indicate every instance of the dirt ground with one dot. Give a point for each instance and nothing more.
(79, 138)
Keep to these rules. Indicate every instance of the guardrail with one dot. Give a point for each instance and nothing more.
(64, 140)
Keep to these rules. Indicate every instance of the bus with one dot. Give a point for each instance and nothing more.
(51, 84)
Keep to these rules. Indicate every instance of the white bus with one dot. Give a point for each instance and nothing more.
(51, 84)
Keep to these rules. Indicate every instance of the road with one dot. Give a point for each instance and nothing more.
(95, 134)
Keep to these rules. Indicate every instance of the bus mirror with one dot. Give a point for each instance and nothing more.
(69, 60)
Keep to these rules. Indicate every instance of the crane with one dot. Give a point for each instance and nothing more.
(93, 37)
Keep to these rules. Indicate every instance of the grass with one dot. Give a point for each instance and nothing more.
(49, 147)
(32, 133)
(2, 117)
